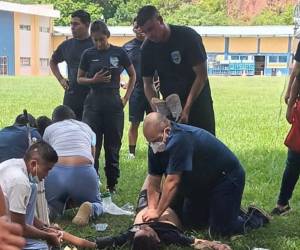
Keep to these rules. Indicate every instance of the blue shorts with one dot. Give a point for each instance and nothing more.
(138, 106)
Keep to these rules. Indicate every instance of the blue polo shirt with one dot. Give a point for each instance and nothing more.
(200, 158)
(14, 141)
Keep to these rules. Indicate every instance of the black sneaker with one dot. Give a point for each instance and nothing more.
(243, 213)
(260, 213)
(281, 211)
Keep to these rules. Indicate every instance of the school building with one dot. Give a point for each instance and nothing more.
(28, 39)
(25, 39)
(231, 50)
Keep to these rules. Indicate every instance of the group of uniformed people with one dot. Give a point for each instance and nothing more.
(190, 172)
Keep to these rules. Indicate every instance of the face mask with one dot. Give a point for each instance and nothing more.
(34, 179)
(158, 146)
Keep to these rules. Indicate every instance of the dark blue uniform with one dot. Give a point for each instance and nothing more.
(138, 103)
(70, 51)
(14, 141)
(174, 60)
(212, 179)
(103, 108)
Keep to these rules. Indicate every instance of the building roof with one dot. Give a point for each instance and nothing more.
(227, 31)
(31, 9)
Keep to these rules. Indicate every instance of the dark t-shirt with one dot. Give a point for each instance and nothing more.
(14, 141)
(133, 49)
(70, 51)
(195, 153)
(297, 55)
(114, 58)
(174, 60)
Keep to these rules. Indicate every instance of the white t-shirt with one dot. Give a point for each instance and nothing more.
(15, 185)
(71, 138)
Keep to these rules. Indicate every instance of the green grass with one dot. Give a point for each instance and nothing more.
(248, 119)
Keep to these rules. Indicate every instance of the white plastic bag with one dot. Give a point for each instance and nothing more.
(111, 208)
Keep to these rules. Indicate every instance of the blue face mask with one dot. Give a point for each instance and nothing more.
(34, 179)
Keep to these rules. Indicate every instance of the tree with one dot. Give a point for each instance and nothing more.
(277, 16)
(109, 7)
(66, 7)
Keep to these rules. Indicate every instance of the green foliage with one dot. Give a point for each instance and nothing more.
(185, 12)
(202, 13)
(109, 7)
(276, 16)
(66, 7)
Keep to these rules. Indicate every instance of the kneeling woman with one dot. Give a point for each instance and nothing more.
(74, 176)
(100, 68)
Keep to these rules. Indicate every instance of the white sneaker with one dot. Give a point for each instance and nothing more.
(160, 106)
(130, 156)
(174, 105)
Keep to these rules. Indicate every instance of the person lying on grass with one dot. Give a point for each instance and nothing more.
(152, 235)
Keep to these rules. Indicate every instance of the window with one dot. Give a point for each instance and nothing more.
(235, 58)
(25, 27)
(3, 65)
(44, 62)
(25, 61)
(273, 59)
(282, 59)
(44, 29)
(244, 58)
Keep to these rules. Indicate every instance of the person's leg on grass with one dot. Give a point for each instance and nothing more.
(85, 191)
(113, 132)
(132, 138)
(96, 121)
(138, 105)
(56, 190)
(224, 204)
(289, 180)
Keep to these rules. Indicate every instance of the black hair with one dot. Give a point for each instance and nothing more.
(22, 120)
(42, 122)
(145, 240)
(84, 16)
(100, 26)
(146, 13)
(62, 112)
(41, 151)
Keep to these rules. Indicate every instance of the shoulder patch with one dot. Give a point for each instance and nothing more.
(176, 57)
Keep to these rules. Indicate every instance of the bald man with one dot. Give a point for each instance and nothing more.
(199, 166)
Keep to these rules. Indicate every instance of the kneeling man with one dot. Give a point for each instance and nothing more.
(202, 170)
(18, 178)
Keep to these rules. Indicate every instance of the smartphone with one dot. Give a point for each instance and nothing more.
(107, 69)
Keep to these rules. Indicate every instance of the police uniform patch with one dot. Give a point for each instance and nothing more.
(114, 61)
(176, 57)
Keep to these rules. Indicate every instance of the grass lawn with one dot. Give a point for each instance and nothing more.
(250, 119)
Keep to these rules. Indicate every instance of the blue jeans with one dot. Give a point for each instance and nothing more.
(289, 178)
(220, 207)
(80, 184)
(33, 244)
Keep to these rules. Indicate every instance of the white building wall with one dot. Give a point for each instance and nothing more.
(25, 43)
(44, 45)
